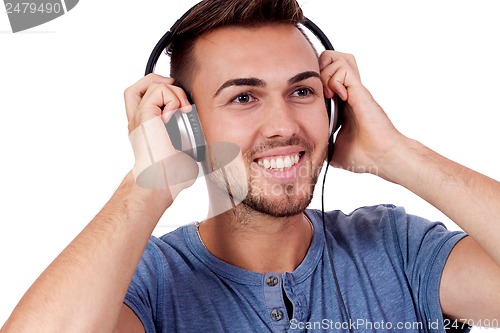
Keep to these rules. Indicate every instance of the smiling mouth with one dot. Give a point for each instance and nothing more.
(280, 163)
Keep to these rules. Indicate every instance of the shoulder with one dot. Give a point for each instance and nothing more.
(167, 247)
(373, 218)
(363, 219)
(381, 225)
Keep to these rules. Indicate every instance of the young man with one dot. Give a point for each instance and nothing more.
(265, 265)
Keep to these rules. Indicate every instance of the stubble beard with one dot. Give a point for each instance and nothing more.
(252, 196)
(282, 199)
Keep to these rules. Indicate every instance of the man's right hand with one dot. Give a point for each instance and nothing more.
(153, 96)
(149, 104)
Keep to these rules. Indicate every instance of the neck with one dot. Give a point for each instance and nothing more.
(257, 242)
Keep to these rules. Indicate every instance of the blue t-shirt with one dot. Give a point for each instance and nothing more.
(387, 269)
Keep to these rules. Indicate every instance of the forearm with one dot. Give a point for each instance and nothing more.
(469, 198)
(83, 289)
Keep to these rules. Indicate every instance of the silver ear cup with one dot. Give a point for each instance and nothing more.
(185, 132)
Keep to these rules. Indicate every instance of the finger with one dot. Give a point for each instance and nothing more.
(159, 99)
(337, 83)
(328, 57)
(185, 104)
(333, 77)
(156, 96)
(352, 62)
(164, 100)
(326, 74)
(143, 84)
(175, 99)
(134, 93)
(331, 62)
(172, 97)
(325, 59)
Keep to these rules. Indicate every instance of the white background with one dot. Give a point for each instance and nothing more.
(432, 65)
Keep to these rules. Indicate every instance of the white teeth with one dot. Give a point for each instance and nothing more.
(280, 163)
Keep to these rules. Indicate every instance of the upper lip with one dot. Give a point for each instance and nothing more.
(279, 151)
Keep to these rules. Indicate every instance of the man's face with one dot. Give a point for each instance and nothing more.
(260, 89)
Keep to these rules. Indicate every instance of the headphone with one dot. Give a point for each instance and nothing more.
(184, 128)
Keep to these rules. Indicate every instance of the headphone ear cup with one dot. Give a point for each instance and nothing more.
(199, 137)
(174, 132)
(328, 103)
(339, 112)
(335, 116)
(331, 124)
(184, 130)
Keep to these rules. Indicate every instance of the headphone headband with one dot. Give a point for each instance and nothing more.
(165, 40)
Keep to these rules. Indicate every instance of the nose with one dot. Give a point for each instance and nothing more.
(279, 121)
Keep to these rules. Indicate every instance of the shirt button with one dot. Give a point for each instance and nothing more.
(276, 315)
(272, 281)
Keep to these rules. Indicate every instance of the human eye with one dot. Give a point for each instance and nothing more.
(244, 98)
(302, 92)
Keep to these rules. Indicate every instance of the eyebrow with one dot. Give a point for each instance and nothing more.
(251, 81)
(254, 82)
(303, 76)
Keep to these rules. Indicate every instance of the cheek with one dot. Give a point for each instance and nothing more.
(223, 129)
(316, 129)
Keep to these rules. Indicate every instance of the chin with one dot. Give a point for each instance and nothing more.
(290, 202)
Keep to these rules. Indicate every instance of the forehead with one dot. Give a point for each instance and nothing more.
(271, 53)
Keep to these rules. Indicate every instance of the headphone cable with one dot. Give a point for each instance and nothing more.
(345, 314)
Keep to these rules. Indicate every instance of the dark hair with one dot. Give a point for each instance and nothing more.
(209, 15)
